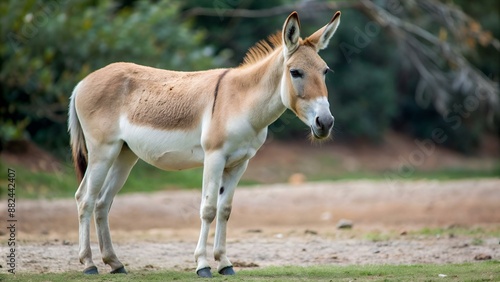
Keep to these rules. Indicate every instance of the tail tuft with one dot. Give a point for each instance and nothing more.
(77, 139)
(80, 162)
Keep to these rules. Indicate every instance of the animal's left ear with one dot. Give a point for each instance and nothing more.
(321, 37)
(291, 34)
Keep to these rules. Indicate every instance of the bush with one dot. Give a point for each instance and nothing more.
(52, 45)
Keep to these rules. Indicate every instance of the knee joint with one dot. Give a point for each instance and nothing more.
(78, 196)
(208, 213)
(225, 212)
(101, 209)
(84, 209)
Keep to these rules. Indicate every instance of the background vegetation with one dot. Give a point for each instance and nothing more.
(48, 46)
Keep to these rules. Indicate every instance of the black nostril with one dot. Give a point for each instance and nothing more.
(318, 123)
(325, 123)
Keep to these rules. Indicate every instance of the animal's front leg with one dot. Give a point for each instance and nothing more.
(230, 180)
(212, 176)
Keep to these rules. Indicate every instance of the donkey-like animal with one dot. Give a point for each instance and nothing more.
(179, 120)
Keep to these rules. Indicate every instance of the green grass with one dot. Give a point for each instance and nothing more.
(29, 184)
(477, 235)
(377, 236)
(474, 232)
(143, 178)
(440, 174)
(146, 178)
(480, 271)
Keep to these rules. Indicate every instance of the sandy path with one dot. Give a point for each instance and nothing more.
(272, 225)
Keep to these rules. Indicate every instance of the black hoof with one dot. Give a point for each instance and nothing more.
(120, 270)
(204, 272)
(228, 270)
(90, 270)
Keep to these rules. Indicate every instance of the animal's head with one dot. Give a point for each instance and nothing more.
(303, 88)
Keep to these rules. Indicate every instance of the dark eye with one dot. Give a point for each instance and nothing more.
(327, 70)
(296, 73)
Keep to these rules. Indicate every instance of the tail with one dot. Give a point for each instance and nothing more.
(77, 139)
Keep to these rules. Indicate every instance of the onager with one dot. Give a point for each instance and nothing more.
(175, 120)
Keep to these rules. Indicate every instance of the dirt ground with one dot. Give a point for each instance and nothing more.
(275, 225)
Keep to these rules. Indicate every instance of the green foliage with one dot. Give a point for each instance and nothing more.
(52, 45)
(362, 89)
(143, 178)
(48, 46)
(233, 36)
(466, 119)
(462, 129)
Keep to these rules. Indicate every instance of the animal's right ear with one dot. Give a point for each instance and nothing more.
(291, 34)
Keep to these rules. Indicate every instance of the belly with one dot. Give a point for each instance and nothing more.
(165, 149)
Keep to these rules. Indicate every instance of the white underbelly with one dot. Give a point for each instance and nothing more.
(165, 149)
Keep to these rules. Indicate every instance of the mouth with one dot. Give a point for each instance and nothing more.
(319, 136)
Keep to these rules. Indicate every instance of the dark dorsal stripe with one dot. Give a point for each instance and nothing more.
(217, 87)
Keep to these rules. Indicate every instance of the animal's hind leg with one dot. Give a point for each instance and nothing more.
(100, 159)
(117, 176)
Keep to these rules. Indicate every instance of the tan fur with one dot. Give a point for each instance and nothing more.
(172, 100)
(148, 96)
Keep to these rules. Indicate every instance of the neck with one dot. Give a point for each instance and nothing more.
(264, 79)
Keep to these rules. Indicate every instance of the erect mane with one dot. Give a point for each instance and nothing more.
(262, 48)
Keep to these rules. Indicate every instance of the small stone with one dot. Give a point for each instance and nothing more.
(482, 257)
(312, 232)
(376, 251)
(254, 230)
(279, 235)
(442, 275)
(461, 246)
(403, 233)
(344, 224)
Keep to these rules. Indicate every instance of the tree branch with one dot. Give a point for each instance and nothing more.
(275, 11)
(427, 60)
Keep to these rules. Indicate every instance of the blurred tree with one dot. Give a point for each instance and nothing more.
(412, 65)
(232, 35)
(52, 45)
(409, 65)
(455, 88)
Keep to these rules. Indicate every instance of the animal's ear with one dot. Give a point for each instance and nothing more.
(320, 38)
(291, 34)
